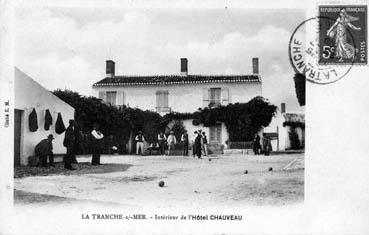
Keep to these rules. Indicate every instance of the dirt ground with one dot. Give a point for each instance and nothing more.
(132, 181)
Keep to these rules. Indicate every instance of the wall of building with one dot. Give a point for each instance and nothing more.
(284, 138)
(184, 98)
(28, 95)
(277, 122)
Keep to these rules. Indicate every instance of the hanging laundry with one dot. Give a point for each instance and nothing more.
(32, 121)
(48, 120)
(59, 125)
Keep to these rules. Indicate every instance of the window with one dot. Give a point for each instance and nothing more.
(111, 97)
(214, 97)
(162, 101)
(215, 134)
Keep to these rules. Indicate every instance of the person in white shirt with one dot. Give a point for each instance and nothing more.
(96, 147)
(171, 141)
(139, 142)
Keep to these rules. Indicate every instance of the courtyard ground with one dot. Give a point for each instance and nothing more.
(132, 182)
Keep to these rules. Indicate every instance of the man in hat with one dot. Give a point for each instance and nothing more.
(139, 142)
(204, 143)
(69, 142)
(198, 143)
(161, 140)
(45, 149)
(171, 141)
(96, 149)
(184, 139)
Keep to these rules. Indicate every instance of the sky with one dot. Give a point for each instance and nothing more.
(63, 47)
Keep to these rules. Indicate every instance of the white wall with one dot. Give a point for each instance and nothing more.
(277, 121)
(185, 97)
(28, 95)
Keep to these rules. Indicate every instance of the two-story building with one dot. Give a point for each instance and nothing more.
(183, 92)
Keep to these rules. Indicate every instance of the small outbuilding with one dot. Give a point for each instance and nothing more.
(36, 112)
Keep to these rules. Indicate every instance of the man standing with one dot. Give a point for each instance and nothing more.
(45, 149)
(161, 140)
(139, 142)
(69, 141)
(171, 141)
(256, 145)
(198, 145)
(266, 145)
(184, 139)
(96, 147)
(205, 143)
(193, 143)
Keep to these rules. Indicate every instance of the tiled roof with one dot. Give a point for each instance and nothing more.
(174, 79)
(294, 117)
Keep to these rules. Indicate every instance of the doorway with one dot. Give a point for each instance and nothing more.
(17, 136)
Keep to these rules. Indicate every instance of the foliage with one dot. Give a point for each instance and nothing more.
(242, 120)
(300, 88)
(178, 129)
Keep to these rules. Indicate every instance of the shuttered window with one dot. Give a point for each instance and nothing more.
(111, 97)
(215, 133)
(162, 101)
(214, 97)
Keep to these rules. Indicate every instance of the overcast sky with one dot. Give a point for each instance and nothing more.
(67, 47)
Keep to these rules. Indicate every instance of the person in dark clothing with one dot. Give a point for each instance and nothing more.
(96, 149)
(161, 140)
(267, 147)
(198, 145)
(256, 145)
(69, 142)
(184, 139)
(195, 134)
(204, 144)
(43, 150)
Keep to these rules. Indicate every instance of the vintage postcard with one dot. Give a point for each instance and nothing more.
(225, 117)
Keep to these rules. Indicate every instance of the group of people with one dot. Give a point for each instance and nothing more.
(44, 149)
(266, 146)
(199, 143)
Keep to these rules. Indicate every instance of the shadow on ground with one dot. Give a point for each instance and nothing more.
(22, 197)
(81, 168)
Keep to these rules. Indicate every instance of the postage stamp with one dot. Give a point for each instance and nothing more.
(343, 35)
(304, 55)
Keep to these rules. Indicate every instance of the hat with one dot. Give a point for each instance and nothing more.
(50, 136)
(140, 132)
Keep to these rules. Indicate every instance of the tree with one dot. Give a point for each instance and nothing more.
(300, 88)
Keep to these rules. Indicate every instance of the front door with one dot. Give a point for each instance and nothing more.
(17, 136)
(215, 133)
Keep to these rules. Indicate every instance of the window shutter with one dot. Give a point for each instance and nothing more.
(225, 96)
(205, 97)
(102, 95)
(120, 98)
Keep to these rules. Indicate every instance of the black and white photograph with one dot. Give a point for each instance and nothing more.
(123, 115)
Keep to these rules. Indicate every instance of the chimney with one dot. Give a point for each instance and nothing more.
(255, 66)
(184, 67)
(110, 68)
(283, 107)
